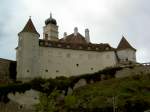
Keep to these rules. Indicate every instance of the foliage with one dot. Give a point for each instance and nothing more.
(131, 94)
(48, 102)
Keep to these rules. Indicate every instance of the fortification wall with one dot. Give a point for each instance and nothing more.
(130, 71)
(66, 62)
(7, 70)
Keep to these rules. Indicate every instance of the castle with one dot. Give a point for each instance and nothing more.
(71, 55)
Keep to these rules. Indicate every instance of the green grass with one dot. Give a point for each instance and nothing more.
(131, 94)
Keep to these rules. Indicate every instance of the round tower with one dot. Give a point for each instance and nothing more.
(28, 53)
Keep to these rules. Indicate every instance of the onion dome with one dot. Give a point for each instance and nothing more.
(50, 21)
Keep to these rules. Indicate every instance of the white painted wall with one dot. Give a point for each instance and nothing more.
(52, 31)
(27, 55)
(127, 54)
(66, 62)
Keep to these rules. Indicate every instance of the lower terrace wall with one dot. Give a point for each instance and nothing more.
(7, 70)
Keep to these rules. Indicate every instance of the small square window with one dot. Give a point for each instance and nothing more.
(77, 65)
(46, 70)
(57, 71)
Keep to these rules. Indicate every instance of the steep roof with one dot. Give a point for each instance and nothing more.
(29, 27)
(124, 44)
(74, 39)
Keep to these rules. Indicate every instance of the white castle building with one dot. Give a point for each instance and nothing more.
(73, 54)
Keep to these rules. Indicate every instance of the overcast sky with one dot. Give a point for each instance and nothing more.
(107, 21)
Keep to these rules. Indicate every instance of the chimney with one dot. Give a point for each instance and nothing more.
(75, 31)
(87, 36)
(65, 35)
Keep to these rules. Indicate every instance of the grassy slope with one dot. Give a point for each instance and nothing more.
(132, 93)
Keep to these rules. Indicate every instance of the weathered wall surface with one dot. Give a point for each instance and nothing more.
(137, 70)
(127, 54)
(13, 107)
(66, 62)
(27, 55)
(21, 102)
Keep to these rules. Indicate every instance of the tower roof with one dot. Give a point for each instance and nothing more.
(29, 27)
(50, 20)
(124, 44)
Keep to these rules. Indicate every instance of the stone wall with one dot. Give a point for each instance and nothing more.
(21, 102)
(7, 70)
(13, 107)
(130, 71)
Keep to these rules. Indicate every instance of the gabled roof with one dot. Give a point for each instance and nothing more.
(29, 27)
(124, 44)
(74, 39)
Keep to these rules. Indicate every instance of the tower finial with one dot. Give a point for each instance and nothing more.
(50, 15)
(123, 36)
(29, 17)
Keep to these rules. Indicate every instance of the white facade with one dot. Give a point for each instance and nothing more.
(66, 62)
(50, 32)
(127, 55)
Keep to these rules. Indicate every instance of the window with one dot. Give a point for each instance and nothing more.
(41, 43)
(68, 46)
(21, 106)
(46, 36)
(91, 68)
(107, 48)
(57, 71)
(46, 70)
(97, 48)
(80, 47)
(89, 48)
(59, 45)
(77, 65)
(28, 71)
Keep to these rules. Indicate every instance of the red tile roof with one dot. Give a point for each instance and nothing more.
(124, 44)
(29, 27)
(74, 39)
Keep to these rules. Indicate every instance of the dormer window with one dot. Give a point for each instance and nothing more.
(68, 46)
(107, 48)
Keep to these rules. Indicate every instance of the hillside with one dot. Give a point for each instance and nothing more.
(102, 92)
(131, 94)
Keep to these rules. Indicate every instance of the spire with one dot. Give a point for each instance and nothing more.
(29, 27)
(124, 44)
(50, 15)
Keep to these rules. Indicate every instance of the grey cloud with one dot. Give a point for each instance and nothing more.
(128, 17)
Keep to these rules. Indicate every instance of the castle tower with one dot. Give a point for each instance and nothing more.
(125, 51)
(50, 29)
(28, 52)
